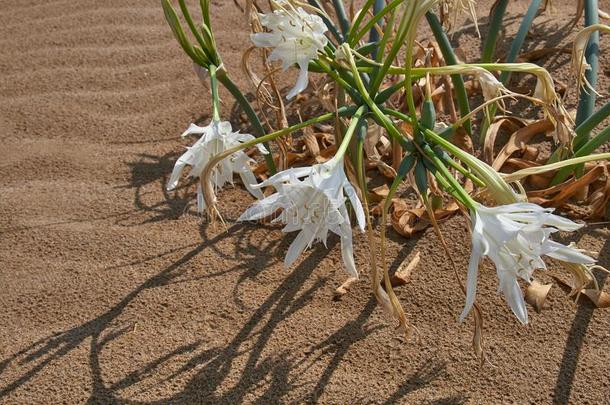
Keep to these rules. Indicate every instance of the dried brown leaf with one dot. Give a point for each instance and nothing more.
(536, 293)
(403, 273)
(519, 139)
(509, 123)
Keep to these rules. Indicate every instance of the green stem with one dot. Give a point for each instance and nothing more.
(495, 25)
(354, 38)
(349, 132)
(585, 128)
(451, 59)
(191, 24)
(454, 184)
(215, 97)
(586, 149)
(341, 16)
(587, 96)
(245, 105)
(517, 43)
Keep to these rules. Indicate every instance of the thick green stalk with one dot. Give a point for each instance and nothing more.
(355, 37)
(587, 97)
(355, 122)
(341, 16)
(374, 34)
(451, 59)
(517, 43)
(585, 128)
(215, 97)
(495, 25)
(254, 120)
(515, 48)
(191, 24)
(584, 150)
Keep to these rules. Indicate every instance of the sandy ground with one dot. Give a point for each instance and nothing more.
(113, 291)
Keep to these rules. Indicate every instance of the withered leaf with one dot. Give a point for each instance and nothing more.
(536, 293)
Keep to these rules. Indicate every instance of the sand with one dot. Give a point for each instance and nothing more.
(113, 291)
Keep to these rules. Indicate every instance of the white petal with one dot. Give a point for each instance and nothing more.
(356, 205)
(471, 279)
(175, 176)
(285, 175)
(200, 200)
(261, 209)
(299, 244)
(194, 130)
(187, 158)
(264, 39)
(513, 295)
(302, 80)
(247, 177)
(565, 253)
(347, 249)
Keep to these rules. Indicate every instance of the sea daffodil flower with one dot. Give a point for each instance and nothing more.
(515, 237)
(295, 36)
(215, 138)
(312, 200)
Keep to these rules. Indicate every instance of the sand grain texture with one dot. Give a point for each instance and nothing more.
(111, 293)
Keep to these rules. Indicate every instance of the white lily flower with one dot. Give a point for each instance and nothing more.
(313, 206)
(296, 37)
(216, 138)
(515, 237)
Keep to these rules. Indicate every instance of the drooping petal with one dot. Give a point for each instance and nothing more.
(565, 253)
(471, 279)
(261, 209)
(347, 249)
(513, 295)
(302, 80)
(284, 176)
(200, 200)
(247, 177)
(356, 204)
(298, 245)
(187, 158)
(194, 129)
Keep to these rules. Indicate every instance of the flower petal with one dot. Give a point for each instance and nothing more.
(356, 204)
(513, 295)
(194, 129)
(471, 279)
(302, 80)
(299, 244)
(261, 209)
(247, 177)
(565, 253)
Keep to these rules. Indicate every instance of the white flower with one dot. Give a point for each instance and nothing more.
(514, 237)
(216, 138)
(313, 206)
(490, 86)
(296, 37)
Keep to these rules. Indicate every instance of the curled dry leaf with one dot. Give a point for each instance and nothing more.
(380, 193)
(536, 293)
(600, 299)
(344, 288)
(408, 221)
(508, 123)
(403, 273)
(518, 140)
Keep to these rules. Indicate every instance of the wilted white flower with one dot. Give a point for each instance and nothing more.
(295, 36)
(515, 237)
(491, 87)
(313, 206)
(216, 138)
